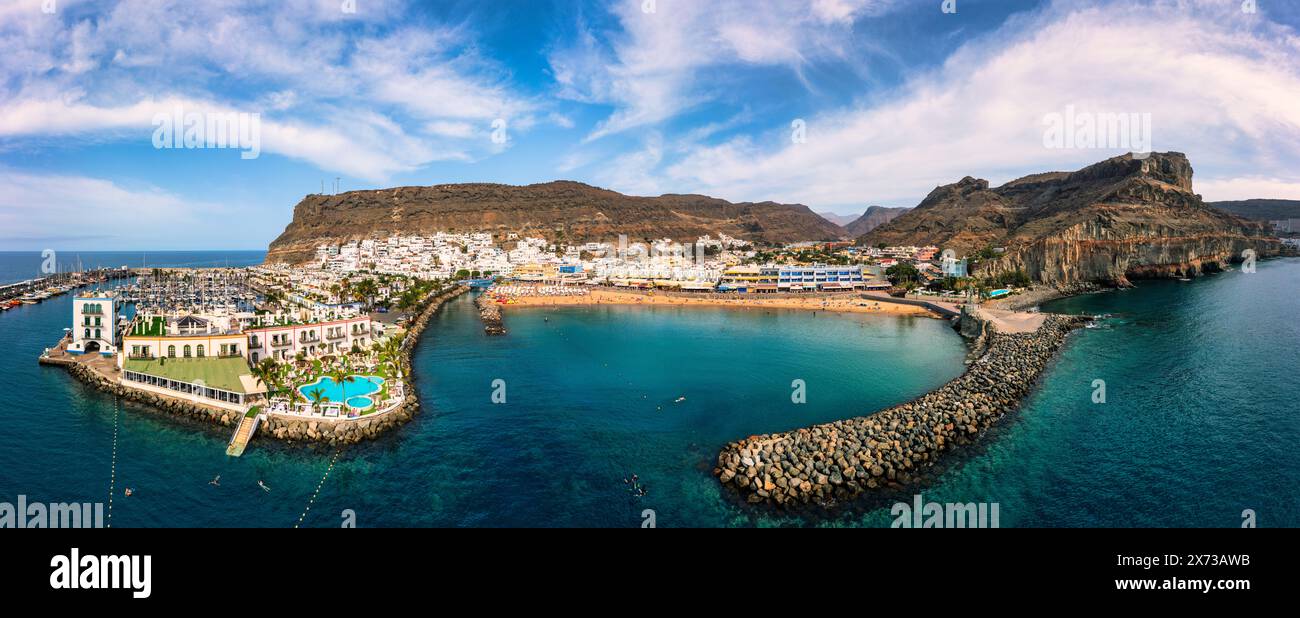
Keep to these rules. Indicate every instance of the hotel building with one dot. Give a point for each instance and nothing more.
(284, 342)
(772, 279)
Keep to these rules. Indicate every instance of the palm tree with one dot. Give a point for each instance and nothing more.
(266, 373)
(342, 374)
(317, 396)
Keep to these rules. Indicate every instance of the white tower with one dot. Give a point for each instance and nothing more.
(94, 323)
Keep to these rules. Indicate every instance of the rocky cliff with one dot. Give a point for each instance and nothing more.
(559, 210)
(1109, 222)
(874, 217)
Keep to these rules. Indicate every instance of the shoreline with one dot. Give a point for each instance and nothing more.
(839, 303)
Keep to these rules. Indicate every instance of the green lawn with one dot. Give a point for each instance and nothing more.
(222, 373)
(152, 327)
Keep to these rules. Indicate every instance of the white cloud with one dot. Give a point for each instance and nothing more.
(1221, 86)
(651, 70)
(368, 102)
(39, 211)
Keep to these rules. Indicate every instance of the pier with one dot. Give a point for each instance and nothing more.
(244, 432)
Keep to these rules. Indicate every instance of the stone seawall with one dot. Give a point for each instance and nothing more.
(842, 460)
(174, 406)
(282, 427)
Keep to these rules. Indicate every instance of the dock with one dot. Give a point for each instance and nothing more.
(244, 432)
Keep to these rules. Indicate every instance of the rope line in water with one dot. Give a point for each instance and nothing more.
(312, 500)
(112, 470)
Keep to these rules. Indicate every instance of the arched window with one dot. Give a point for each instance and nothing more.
(200, 350)
(171, 351)
(87, 333)
(187, 351)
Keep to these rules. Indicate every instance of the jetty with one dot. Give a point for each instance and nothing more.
(244, 432)
(490, 312)
(893, 448)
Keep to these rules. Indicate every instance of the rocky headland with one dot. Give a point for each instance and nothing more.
(1121, 219)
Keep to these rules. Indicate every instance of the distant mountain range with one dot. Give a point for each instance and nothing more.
(560, 210)
(840, 220)
(874, 217)
(1262, 210)
(1109, 222)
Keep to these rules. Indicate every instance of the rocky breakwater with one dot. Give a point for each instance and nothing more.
(892, 448)
(351, 431)
(490, 312)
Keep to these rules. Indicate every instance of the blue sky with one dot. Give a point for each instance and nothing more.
(644, 97)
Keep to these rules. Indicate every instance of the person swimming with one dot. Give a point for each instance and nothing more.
(263, 486)
(127, 492)
(216, 482)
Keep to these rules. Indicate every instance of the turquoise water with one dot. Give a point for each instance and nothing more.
(354, 390)
(1200, 419)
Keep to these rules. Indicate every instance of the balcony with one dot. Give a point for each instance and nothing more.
(91, 311)
(280, 343)
(338, 334)
(308, 339)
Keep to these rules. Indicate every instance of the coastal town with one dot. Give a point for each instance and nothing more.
(320, 351)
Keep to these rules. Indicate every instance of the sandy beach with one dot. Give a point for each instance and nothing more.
(599, 296)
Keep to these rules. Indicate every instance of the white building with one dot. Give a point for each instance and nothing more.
(94, 319)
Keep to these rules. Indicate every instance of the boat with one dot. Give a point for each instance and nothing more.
(680, 399)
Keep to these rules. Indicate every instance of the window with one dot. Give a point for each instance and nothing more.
(97, 333)
(200, 351)
(187, 351)
(171, 351)
(87, 334)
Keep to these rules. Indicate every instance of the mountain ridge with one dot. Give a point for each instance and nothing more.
(872, 218)
(558, 210)
(1108, 222)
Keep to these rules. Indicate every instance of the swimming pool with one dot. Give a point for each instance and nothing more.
(356, 390)
(997, 293)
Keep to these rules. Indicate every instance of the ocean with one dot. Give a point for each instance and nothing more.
(1198, 424)
(23, 265)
